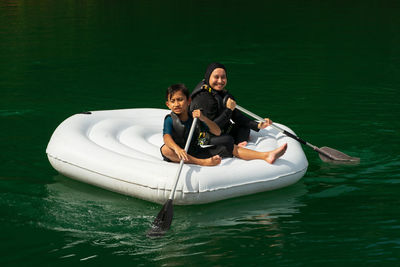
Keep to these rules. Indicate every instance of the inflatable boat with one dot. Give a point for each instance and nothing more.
(119, 150)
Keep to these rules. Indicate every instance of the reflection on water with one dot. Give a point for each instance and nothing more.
(88, 215)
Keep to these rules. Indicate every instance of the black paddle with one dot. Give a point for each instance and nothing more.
(164, 218)
(326, 154)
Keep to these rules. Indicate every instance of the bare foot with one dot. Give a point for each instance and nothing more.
(213, 161)
(242, 144)
(275, 154)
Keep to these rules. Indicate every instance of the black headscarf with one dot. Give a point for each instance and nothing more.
(210, 69)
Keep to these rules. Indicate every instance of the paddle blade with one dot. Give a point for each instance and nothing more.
(163, 221)
(336, 156)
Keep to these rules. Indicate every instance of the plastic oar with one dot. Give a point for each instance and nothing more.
(164, 218)
(326, 154)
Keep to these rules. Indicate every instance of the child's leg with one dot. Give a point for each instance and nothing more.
(268, 156)
(171, 155)
(211, 161)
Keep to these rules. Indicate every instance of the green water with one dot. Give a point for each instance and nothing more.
(330, 70)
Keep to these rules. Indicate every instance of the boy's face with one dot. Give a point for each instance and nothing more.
(178, 102)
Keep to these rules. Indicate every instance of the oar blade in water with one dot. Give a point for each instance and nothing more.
(336, 156)
(163, 221)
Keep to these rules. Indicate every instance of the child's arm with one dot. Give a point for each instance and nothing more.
(180, 152)
(212, 126)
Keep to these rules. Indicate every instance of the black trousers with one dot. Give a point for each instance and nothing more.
(239, 133)
(221, 145)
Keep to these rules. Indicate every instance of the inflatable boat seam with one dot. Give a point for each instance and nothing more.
(254, 182)
(184, 192)
(83, 168)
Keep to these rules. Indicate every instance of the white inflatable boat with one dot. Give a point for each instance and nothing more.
(119, 150)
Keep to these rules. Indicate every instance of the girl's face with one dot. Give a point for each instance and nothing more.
(218, 79)
(178, 103)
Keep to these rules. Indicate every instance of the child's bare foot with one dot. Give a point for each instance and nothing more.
(275, 154)
(242, 144)
(213, 161)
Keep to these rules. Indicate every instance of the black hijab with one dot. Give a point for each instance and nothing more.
(210, 69)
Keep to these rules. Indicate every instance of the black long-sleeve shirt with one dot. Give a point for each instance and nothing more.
(220, 115)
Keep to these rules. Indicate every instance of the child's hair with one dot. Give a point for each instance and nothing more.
(176, 88)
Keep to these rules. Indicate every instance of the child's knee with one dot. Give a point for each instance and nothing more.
(164, 153)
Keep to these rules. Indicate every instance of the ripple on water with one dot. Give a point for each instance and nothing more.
(9, 112)
(334, 191)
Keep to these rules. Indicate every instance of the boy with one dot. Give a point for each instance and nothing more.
(176, 129)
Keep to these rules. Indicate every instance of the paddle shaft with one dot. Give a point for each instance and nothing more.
(178, 173)
(255, 116)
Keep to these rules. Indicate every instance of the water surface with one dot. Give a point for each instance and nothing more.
(328, 70)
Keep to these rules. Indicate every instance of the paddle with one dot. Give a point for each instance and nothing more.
(164, 218)
(326, 154)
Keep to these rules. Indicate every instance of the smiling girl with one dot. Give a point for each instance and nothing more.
(217, 104)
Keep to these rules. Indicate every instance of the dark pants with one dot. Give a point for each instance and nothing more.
(221, 145)
(239, 133)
